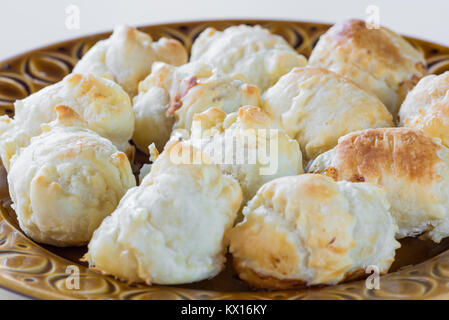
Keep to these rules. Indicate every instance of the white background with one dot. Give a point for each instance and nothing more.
(27, 24)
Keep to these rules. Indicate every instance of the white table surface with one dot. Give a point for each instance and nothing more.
(27, 24)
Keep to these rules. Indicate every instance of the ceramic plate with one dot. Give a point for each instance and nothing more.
(421, 269)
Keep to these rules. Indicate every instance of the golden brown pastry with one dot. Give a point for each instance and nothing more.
(379, 60)
(259, 55)
(170, 96)
(427, 107)
(316, 107)
(248, 145)
(126, 57)
(412, 167)
(171, 229)
(66, 181)
(102, 104)
(309, 230)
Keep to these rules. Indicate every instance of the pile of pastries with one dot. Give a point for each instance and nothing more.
(359, 132)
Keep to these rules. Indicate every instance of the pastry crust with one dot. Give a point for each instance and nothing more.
(427, 107)
(316, 107)
(308, 230)
(170, 96)
(127, 55)
(248, 145)
(409, 164)
(172, 229)
(101, 103)
(259, 55)
(379, 60)
(66, 181)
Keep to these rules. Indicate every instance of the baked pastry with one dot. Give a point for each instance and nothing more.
(412, 167)
(259, 55)
(427, 107)
(308, 230)
(66, 181)
(101, 103)
(247, 145)
(379, 60)
(146, 167)
(5, 123)
(170, 96)
(126, 57)
(172, 228)
(316, 107)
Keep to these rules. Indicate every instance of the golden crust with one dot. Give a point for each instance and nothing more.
(175, 101)
(261, 281)
(401, 152)
(376, 43)
(260, 56)
(255, 131)
(381, 61)
(66, 181)
(254, 114)
(99, 102)
(171, 51)
(69, 117)
(101, 106)
(173, 228)
(170, 96)
(127, 55)
(211, 118)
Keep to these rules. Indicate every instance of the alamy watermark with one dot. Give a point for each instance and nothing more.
(72, 282)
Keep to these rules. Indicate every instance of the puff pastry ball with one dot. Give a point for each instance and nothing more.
(309, 230)
(316, 107)
(427, 107)
(101, 103)
(171, 229)
(170, 96)
(259, 55)
(247, 145)
(66, 181)
(379, 60)
(126, 57)
(6, 125)
(412, 166)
